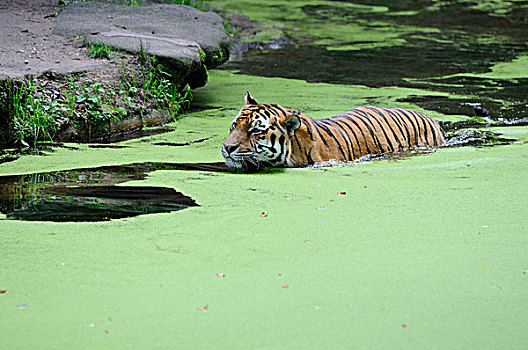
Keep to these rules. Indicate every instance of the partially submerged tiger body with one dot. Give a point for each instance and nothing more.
(270, 135)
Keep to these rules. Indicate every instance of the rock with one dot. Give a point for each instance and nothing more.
(183, 38)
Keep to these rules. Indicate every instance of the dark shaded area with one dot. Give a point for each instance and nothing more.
(180, 144)
(476, 138)
(469, 40)
(90, 194)
(101, 203)
(7, 159)
(107, 146)
(133, 134)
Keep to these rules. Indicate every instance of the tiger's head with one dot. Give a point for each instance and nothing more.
(260, 136)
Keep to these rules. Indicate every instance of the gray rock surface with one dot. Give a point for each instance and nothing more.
(37, 36)
(28, 45)
(182, 37)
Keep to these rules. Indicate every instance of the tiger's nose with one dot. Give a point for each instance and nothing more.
(230, 148)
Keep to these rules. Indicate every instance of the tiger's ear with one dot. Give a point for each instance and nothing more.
(291, 124)
(249, 100)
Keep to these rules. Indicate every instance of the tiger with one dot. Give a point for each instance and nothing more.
(269, 135)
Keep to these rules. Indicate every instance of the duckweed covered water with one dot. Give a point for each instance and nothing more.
(423, 252)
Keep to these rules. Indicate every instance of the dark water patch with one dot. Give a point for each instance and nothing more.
(239, 48)
(476, 138)
(180, 144)
(377, 66)
(467, 37)
(503, 98)
(465, 16)
(98, 203)
(7, 159)
(107, 146)
(133, 134)
(443, 104)
(90, 194)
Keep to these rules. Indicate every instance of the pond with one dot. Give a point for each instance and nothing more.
(150, 243)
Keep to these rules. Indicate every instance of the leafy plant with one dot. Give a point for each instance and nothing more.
(136, 3)
(100, 50)
(33, 113)
(228, 29)
(198, 4)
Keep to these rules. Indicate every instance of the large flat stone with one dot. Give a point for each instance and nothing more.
(175, 33)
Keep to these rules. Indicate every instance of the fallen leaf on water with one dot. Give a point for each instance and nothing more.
(481, 265)
(404, 326)
(331, 200)
(203, 308)
(365, 186)
(264, 214)
(3, 291)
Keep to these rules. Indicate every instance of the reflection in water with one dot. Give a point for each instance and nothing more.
(91, 195)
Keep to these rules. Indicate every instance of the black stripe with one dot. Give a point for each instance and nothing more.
(297, 140)
(351, 119)
(273, 137)
(418, 118)
(316, 126)
(308, 156)
(344, 135)
(374, 136)
(401, 123)
(284, 150)
(378, 111)
(308, 128)
(433, 129)
(344, 120)
(267, 113)
(280, 109)
(400, 110)
(325, 128)
(340, 124)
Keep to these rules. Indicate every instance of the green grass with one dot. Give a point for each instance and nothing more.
(99, 50)
(34, 110)
(198, 4)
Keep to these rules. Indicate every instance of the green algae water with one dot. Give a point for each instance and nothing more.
(416, 252)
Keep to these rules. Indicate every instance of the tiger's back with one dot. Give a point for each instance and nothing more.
(364, 130)
(270, 135)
